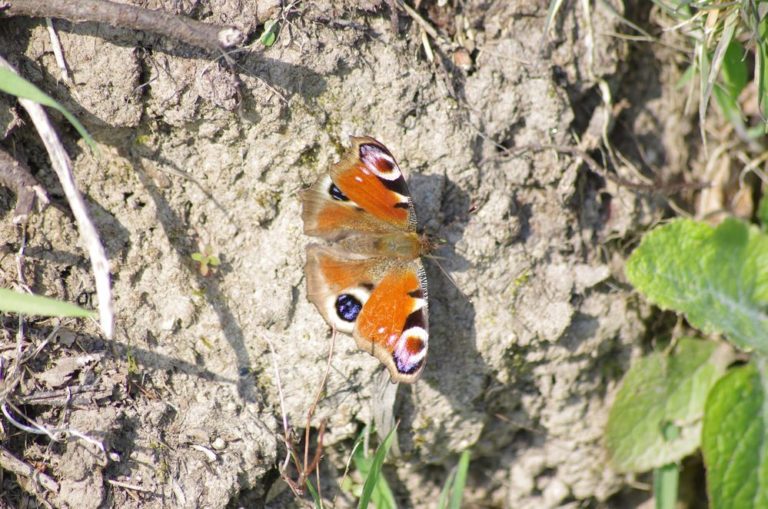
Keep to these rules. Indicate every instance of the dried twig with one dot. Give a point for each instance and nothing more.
(13, 464)
(73, 396)
(202, 35)
(55, 434)
(63, 168)
(57, 51)
(18, 178)
(131, 486)
(599, 170)
(306, 467)
(424, 24)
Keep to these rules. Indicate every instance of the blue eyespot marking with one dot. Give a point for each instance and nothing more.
(348, 307)
(336, 193)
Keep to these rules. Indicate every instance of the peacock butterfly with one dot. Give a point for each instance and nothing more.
(369, 281)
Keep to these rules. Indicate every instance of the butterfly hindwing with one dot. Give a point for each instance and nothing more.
(338, 285)
(380, 301)
(393, 324)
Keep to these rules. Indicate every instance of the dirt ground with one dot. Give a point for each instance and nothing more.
(527, 347)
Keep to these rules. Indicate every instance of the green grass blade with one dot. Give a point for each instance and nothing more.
(14, 302)
(460, 481)
(665, 485)
(453, 489)
(313, 493)
(761, 69)
(12, 83)
(374, 477)
(442, 502)
(708, 83)
(554, 8)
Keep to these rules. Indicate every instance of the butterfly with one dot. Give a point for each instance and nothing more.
(369, 281)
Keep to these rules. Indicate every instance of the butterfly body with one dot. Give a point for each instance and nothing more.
(369, 282)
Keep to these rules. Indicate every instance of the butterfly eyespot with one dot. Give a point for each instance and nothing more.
(379, 162)
(336, 193)
(411, 350)
(348, 307)
(414, 345)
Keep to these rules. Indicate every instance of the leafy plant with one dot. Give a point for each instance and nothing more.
(453, 490)
(672, 403)
(207, 260)
(722, 35)
(269, 36)
(375, 488)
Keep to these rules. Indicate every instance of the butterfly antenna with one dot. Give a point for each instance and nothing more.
(446, 274)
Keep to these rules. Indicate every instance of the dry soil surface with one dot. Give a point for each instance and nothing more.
(526, 348)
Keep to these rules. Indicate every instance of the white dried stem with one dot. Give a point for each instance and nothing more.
(63, 168)
(13, 464)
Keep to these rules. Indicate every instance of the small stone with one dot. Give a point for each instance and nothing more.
(218, 443)
(462, 59)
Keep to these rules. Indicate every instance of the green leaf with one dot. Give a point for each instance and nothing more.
(270, 33)
(761, 67)
(665, 486)
(734, 78)
(656, 417)
(713, 70)
(735, 439)
(762, 212)
(12, 83)
(453, 489)
(375, 487)
(14, 302)
(717, 277)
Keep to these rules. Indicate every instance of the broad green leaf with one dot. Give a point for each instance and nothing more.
(656, 417)
(717, 277)
(15, 302)
(453, 489)
(735, 440)
(375, 487)
(12, 83)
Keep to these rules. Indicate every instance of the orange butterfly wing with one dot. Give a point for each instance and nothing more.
(393, 323)
(380, 301)
(366, 192)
